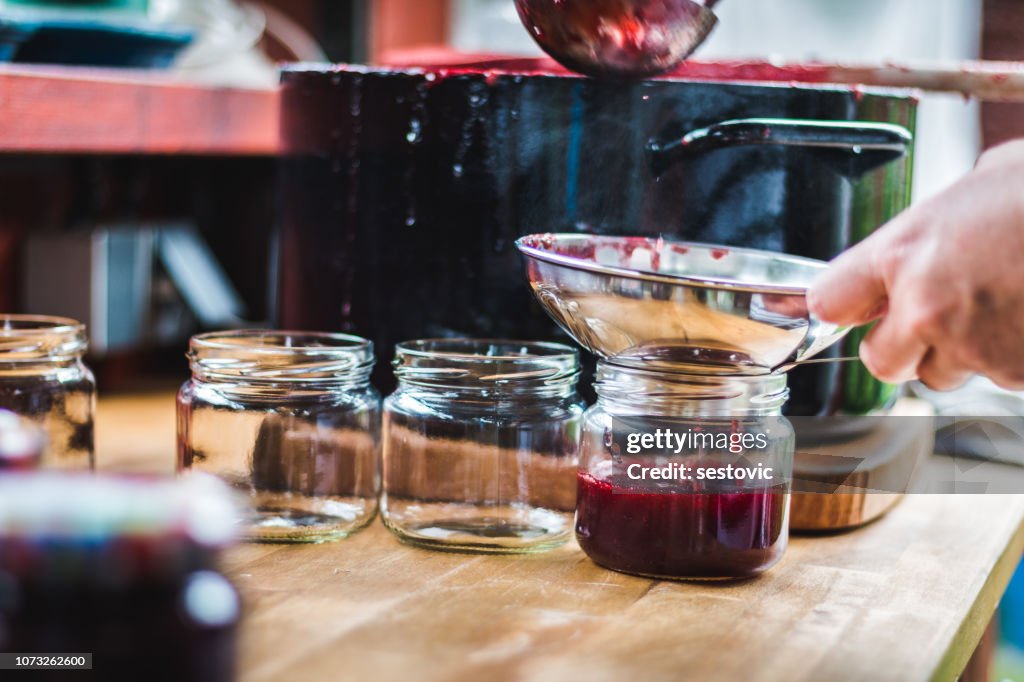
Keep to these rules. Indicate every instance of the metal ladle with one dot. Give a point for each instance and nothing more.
(618, 38)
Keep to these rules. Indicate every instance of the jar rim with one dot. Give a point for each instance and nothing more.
(236, 339)
(36, 338)
(270, 356)
(481, 363)
(674, 391)
(681, 375)
(462, 349)
(37, 324)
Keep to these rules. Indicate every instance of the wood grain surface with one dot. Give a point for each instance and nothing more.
(66, 110)
(906, 598)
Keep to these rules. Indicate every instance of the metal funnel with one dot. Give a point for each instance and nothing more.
(679, 306)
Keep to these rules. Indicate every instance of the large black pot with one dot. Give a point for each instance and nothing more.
(403, 191)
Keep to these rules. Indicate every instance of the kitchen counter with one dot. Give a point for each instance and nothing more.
(906, 598)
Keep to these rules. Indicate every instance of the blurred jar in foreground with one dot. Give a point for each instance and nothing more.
(480, 444)
(123, 569)
(43, 378)
(290, 419)
(21, 444)
(685, 476)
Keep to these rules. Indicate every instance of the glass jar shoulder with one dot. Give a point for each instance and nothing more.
(32, 392)
(67, 375)
(602, 413)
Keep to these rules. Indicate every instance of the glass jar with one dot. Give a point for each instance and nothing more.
(480, 445)
(685, 477)
(290, 419)
(21, 444)
(125, 569)
(43, 378)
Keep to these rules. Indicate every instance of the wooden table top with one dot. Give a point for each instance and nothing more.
(906, 598)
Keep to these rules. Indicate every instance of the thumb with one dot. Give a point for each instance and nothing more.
(852, 290)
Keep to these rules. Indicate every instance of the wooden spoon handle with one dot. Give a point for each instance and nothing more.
(985, 80)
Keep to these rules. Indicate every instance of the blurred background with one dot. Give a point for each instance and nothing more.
(154, 220)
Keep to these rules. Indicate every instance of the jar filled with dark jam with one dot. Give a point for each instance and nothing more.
(126, 570)
(44, 379)
(480, 445)
(685, 477)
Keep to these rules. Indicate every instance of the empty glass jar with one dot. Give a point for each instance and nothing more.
(685, 477)
(43, 378)
(290, 419)
(480, 445)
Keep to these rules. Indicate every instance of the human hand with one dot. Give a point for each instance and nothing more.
(946, 279)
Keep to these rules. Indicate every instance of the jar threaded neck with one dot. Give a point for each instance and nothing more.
(629, 389)
(263, 357)
(488, 367)
(26, 339)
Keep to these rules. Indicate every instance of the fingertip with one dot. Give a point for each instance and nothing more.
(874, 368)
(865, 357)
(826, 302)
(813, 305)
(848, 292)
(818, 300)
(882, 367)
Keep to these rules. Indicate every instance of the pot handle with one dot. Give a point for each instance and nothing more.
(856, 146)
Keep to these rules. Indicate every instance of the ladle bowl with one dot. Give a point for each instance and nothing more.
(679, 306)
(618, 38)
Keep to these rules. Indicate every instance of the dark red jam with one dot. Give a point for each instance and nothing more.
(681, 532)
